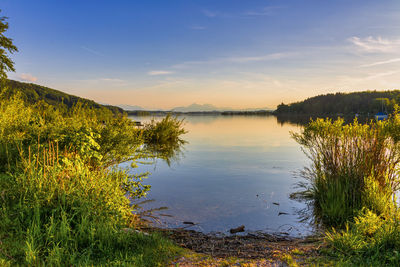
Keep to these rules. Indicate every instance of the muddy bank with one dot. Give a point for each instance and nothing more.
(249, 246)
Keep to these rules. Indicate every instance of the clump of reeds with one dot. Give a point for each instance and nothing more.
(353, 166)
(163, 138)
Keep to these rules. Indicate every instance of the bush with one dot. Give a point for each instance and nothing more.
(64, 201)
(163, 138)
(370, 240)
(354, 166)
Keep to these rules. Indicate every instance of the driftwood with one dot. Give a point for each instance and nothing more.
(237, 229)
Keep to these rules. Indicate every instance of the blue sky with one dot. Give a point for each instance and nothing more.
(229, 53)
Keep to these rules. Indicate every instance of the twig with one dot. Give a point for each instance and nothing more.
(4, 253)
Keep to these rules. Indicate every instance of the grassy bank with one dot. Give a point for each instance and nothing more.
(63, 200)
(353, 179)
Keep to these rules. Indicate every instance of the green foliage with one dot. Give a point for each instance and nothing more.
(58, 211)
(164, 137)
(6, 48)
(363, 103)
(64, 199)
(33, 94)
(354, 166)
(370, 240)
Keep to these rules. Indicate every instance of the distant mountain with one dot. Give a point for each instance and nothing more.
(208, 107)
(130, 107)
(33, 93)
(196, 107)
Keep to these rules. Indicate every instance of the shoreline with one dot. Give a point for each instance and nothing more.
(261, 250)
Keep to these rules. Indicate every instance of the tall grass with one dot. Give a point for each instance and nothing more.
(164, 137)
(62, 202)
(353, 179)
(370, 240)
(56, 210)
(354, 166)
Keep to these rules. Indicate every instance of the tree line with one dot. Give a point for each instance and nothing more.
(365, 103)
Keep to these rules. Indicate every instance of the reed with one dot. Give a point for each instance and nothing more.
(62, 202)
(353, 166)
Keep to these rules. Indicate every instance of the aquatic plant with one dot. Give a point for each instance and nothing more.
(163, 137)
(353, 166)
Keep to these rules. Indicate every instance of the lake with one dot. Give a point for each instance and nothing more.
(234, 170)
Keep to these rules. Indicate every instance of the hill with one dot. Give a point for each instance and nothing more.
(33, 93)
(363, 103)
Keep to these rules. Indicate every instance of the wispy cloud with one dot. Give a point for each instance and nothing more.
(375, 44)
(382, 74)
(210, 14)
(103, 80)
(94, 52)
(27, 77)
(265, 11)
(268, 57)
(159, 72)
(393, 60)
(111, 80)
(236, 59)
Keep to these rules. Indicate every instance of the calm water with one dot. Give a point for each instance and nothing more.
(232, 172)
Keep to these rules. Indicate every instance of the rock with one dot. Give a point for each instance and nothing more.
(237, 229)
(130, 230)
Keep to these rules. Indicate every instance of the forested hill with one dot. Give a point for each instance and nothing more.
(363, 103)
(33, 93)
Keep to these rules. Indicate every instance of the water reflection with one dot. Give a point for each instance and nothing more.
(235, 171)
(304, 119)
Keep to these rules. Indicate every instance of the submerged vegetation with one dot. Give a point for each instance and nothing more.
(353, 179)
(164, 137)
(64, 200)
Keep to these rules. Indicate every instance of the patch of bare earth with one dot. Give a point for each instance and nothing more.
(242, 250)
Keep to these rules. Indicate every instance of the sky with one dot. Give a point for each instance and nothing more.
(228, 53)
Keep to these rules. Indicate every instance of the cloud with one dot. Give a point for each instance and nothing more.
(111, 80)
(381, 74)
(375, 44)
(266, 11)
(393, 60)
(159, 72)
(106, 80)
(234, 59)
(210, 14)
(94, 52)
(267, 57)
(27, 77)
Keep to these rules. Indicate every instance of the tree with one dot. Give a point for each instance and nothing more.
(6, 48)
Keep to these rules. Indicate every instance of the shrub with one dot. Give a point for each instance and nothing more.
(64, 201)
(353, 166)
(370, 240)
(163, 138)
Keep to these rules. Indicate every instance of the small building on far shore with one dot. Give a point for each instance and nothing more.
(381, 116)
